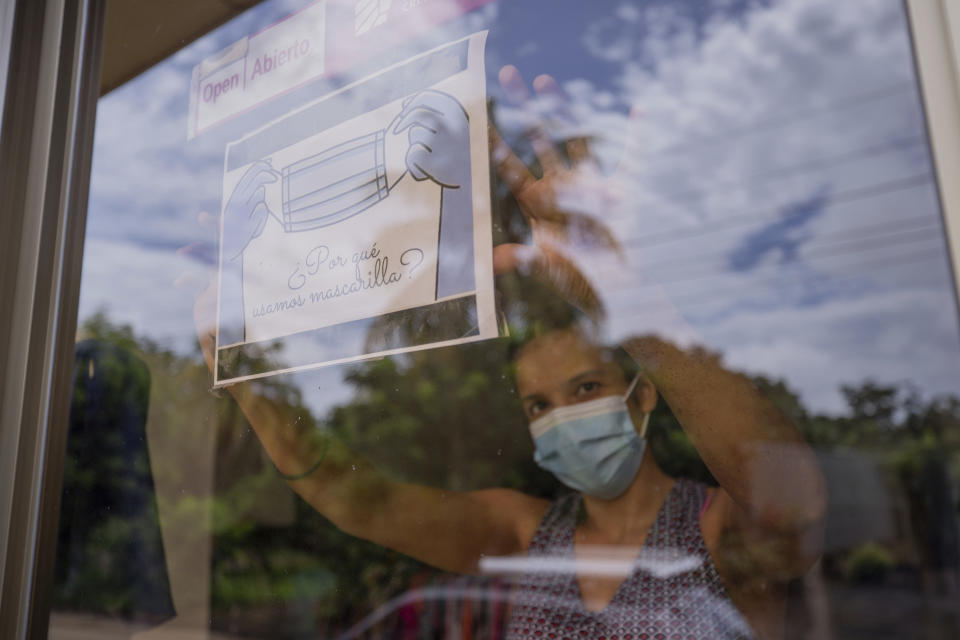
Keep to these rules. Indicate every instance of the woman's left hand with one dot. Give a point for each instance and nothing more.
(563, 206)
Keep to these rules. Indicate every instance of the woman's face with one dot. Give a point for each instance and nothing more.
(561, 368)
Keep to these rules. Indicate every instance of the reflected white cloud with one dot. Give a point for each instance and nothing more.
(749, 110)
(782, 192)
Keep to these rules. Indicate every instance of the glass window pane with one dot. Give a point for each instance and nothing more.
(474, 318)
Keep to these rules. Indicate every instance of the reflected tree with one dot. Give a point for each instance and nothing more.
(450, 418)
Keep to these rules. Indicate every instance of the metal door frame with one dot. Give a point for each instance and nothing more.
(935, 29)
(51, 69)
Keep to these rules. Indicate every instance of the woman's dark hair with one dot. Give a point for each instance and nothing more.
(532, 309)
(535, 310)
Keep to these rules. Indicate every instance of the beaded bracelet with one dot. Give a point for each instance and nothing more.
(316, 465)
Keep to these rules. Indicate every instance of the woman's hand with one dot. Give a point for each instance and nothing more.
(201, 281)
(287, 433)
(564, 206)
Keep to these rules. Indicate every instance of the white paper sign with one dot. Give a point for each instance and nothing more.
(359, 224)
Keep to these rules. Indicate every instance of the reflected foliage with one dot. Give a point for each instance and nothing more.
(448, 418)
(110, 558)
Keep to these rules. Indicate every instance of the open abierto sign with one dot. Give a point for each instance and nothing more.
(359, 225)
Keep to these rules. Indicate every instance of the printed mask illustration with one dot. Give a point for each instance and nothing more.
(431, 133)
(336, 184)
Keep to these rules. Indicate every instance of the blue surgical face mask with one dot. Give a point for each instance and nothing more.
(592, 446)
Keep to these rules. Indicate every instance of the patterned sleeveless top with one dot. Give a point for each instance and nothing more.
(673, 592)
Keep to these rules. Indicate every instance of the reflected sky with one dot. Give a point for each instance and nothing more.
(781, 190)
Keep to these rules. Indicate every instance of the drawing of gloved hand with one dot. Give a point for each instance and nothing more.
(438, 130)
(246, 212)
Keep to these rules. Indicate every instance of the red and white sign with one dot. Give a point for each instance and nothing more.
(257, 68)
(322, 39)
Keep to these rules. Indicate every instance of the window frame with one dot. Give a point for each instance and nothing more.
(51, 78)
(935, 35)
